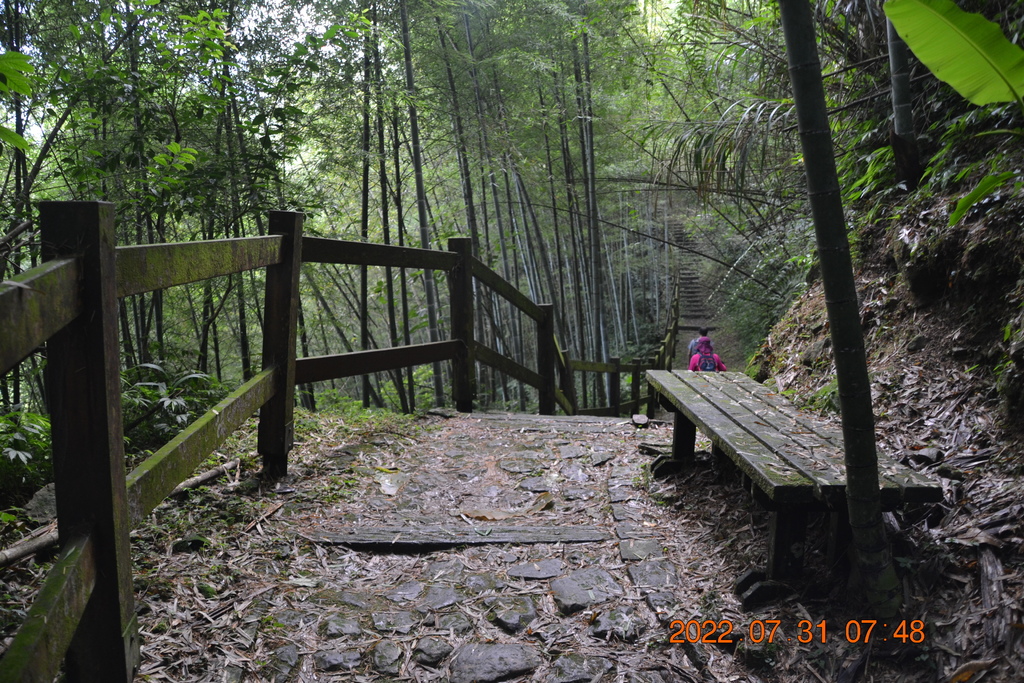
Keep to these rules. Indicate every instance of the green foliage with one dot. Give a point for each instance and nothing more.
(157, 405)
(877, 175)
(825, 399)
(25, 464)
(983, 189)
(963, 49)
(13, 69)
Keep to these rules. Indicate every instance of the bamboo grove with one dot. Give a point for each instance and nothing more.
(589, 148)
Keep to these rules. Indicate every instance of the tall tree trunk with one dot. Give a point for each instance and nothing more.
(881, 585)
(307, 398)
(403, 282)
(589, 166)
(421, 199)
(578, 269)
(382, 178)
(466, 179)
(902, 136)
(364, 210)
(559, 288)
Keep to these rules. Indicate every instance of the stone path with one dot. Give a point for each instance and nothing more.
(445, 579)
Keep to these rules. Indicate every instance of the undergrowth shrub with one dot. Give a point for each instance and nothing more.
(158, 403)
(25, 463)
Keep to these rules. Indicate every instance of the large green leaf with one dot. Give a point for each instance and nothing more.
(965, 50)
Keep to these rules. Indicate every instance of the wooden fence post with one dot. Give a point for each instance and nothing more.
(276, 433)
(460, 290)
(546, 360)
(83, 378)
(615, 387)
(634, 386)
(651, 395)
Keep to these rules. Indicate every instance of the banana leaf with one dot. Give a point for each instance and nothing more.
(963, 49)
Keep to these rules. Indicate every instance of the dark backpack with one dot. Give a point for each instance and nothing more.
(706, 362)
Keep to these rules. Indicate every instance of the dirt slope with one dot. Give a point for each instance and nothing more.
(939, 328)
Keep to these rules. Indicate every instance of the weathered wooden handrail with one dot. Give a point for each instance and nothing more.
(498, 361)
(50, 624)
(148, 267)
(320, 368)
(507, 290)
(323, 250)
(35, 305)
(156, 476)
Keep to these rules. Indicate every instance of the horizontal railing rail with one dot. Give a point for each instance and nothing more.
(156, 476)
(320, 368)
(35, 305)
(324, 250)
(149, 267)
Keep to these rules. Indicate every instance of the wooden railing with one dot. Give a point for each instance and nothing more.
(85, 613)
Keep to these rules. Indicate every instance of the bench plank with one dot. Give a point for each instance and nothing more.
(895, 481)
(781, 482)
(914, 487)
(818, 461)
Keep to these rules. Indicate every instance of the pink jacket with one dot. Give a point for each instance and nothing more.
(695, 363)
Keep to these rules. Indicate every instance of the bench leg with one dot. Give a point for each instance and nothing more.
(684, 435)
(786, 532)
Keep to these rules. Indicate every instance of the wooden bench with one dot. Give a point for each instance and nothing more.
(791, 464)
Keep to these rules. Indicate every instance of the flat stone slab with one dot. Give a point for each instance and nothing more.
(410, 590)
(439, 597)
(624, 513)
(653, 574)
(338, 625)
(431, 537)
(430, 650)
(640, 549)
(492, 662)
(341, 660)
(397, 622)
(513, 614)
(620, 494)
(456, 622)
(544, 569)
(583, 588)
(386, 657)
(618, 624)
(520, 465)
(577, 668)
(535, 484)
(664, 605)
(627, 530)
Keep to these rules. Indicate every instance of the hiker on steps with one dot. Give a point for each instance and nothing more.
(705, 359)
(701, 332)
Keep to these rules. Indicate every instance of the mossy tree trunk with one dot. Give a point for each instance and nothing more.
(871, 548)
